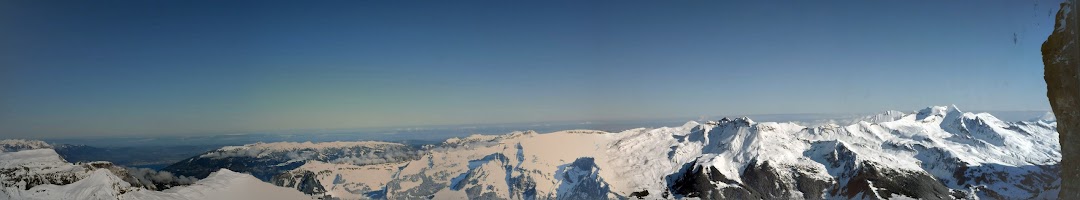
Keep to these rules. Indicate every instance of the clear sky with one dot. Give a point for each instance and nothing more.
(87, 68)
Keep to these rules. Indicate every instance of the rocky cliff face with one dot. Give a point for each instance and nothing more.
(305, 181)
(1061, 58)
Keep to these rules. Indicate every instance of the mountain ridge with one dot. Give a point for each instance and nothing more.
(938, 152)
(959, 152)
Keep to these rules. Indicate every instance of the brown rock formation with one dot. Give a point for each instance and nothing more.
(1061, 57)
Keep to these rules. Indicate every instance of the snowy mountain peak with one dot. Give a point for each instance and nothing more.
(690, 125)
(936, 112)
(741, 121)
(19, 145)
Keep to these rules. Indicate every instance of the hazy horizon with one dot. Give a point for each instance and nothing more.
(443, 131)
(86, 69)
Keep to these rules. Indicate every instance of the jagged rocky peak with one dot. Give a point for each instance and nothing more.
(740, 121)
(724, 123)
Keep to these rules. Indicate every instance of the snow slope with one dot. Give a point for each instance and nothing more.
(224, 185)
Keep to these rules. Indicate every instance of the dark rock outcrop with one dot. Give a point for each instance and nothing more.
(305, 181)
(702, 182)
(767, 180)
(581, 180)
(889, 183)
(1061, 57)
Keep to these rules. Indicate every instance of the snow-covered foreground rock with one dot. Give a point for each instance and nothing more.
(934, 153)
(32, 170)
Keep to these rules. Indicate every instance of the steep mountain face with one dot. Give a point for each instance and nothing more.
(934, 153)
(266, 160)
(1061, 57)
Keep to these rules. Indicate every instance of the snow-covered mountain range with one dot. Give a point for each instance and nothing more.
(33, 170)
(933, 153)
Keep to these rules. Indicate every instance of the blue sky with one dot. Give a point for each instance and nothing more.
(194, 67)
